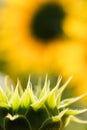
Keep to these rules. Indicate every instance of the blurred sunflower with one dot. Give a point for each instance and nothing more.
(46, 36)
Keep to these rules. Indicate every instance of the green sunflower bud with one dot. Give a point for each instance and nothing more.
(24, 110)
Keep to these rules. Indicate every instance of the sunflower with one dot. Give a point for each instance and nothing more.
(46, 35)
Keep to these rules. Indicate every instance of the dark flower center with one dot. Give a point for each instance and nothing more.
(47, 22)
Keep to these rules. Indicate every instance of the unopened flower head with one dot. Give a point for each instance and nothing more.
(25, 110)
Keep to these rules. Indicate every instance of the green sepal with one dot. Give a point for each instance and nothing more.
(77, 120)
(39, 103)
(3, 98)
(75, 112)
(9, 88)
(31, 94)
(25, 101)
(15, 100)
(9, 91)
(51, 98)
(67, 102)
(60, 91)
(45, 89)
(20, 88)
(70, 116)
(17, 122)
(66, 120)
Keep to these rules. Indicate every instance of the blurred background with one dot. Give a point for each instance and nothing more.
(39, 37)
